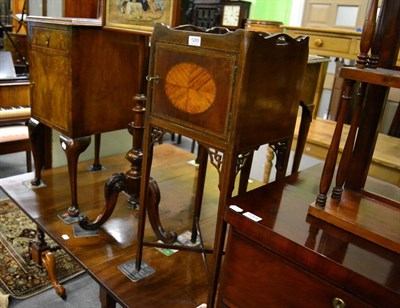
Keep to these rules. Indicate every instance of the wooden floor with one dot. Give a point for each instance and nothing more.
(385, 161)
(179, 280)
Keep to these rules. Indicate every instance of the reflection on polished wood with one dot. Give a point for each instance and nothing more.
(181, 279)
(116, 243)
(117, 240)
(289, 250)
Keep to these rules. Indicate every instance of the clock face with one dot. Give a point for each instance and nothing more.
(231, 15)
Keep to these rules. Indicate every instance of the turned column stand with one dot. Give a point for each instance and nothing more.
(130, 182)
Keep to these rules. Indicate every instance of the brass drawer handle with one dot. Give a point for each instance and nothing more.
(338, 303)
(318, 42)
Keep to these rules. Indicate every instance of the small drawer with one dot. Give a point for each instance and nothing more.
(328, 43)
(52, 39)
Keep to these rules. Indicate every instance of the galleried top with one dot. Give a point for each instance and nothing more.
(215, 83)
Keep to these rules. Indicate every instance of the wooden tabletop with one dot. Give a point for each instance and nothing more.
(181, 279)
(350, 262)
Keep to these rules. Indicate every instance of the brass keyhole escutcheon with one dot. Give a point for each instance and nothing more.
(156, 79)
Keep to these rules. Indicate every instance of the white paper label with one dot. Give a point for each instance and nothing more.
(65, 237)
(252, 216)
(194, 40)
(235, 208)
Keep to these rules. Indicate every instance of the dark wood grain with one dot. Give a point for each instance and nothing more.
(305, 250)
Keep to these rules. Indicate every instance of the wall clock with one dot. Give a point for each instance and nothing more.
(234, 14)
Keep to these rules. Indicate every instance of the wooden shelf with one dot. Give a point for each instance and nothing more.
(377, 76)
(365, 216)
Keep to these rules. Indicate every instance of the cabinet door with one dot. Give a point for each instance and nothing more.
(194, 87)
(50, 74)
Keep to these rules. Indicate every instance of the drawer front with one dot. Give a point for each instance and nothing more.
(256, 277)
(329, 43)
(51, 40)
(332, 44)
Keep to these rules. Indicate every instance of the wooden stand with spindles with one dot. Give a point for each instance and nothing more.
(350, 207)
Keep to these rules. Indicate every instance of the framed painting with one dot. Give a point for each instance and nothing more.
(139, 15)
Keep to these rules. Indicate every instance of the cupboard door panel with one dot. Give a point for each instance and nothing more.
(194, 88)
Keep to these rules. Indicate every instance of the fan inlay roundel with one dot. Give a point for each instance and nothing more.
(190, 88)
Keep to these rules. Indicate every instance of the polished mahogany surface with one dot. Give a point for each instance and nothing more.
(318, 257)
(184, 285)
(363, 269)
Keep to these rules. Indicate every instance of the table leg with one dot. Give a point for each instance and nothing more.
(201, 177)
(73, 148)
(41, 253)
(96, 163)
(107, 301)
(49, 263)
(245, 174)
(306, 117)
(36, 137)
(231, 164)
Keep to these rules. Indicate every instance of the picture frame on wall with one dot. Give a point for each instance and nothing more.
(140, 15)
